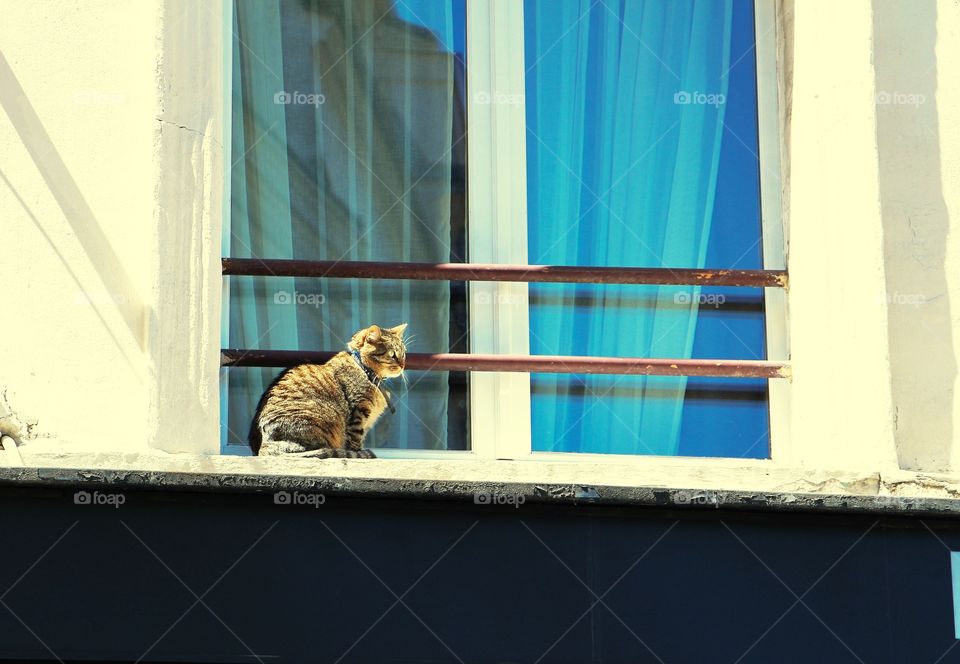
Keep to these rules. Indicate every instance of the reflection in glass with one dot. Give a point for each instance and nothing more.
(348, 144)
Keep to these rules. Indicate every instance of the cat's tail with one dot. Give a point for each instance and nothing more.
(328, 453)
(285, 449)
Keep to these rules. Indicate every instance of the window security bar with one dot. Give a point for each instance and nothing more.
(662, 276)
(236, 357)
(516, 273)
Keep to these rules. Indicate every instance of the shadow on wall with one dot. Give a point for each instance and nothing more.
(117, 285)
(915, 226)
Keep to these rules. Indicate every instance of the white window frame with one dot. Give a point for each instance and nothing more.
(773, 233)
(497, 190)
(499, 402)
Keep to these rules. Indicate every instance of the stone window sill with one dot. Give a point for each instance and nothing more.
(656, 483)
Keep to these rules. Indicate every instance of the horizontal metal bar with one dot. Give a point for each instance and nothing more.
(562, 364)
(664, 276)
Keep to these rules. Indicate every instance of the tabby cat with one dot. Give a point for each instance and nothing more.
(325, 410)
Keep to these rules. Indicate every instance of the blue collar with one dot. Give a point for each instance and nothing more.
(372, 377)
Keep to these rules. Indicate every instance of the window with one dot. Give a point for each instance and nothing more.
(348, 131)
(558, 132)
(642, 144)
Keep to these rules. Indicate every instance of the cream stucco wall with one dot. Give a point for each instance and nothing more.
(110, 203)
(112, 194)
(841, 401)
(77, 200)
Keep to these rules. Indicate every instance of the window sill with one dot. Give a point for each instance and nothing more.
(650, 482)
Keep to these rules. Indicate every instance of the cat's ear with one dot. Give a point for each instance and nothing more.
(373, 334)
(398, 330)
(357, 340)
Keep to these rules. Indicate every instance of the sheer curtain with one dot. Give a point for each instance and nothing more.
(347, 145)
(625, 124)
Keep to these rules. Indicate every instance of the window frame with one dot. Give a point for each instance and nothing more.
(496, 191)
(773, 231)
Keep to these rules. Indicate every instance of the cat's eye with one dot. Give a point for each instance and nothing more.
(393, 354)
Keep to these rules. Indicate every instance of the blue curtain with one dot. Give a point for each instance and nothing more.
(348, 123)
(625, 116)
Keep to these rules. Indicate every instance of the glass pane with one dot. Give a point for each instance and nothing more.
(642, 151)
(348, 144)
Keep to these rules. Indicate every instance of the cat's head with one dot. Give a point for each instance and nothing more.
(382, 349)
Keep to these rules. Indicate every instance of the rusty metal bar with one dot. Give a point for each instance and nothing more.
(664, 276)
(232, 357)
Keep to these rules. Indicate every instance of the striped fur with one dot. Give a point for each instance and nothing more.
(324, 410)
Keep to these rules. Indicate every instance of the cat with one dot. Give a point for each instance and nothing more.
(325, 410)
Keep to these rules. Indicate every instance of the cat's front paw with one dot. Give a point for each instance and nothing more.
(366, 454)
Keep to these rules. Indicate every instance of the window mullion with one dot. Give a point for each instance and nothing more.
(497, 228)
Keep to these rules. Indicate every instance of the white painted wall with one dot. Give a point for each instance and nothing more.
(77, 199)
(112, 191)
(842, 405)
(110, 206)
